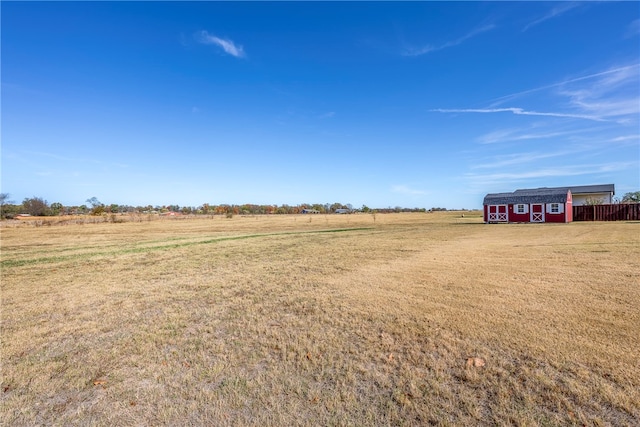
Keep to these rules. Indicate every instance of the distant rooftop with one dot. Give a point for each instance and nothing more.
(577, 189)
(602, 188)
(545, 194)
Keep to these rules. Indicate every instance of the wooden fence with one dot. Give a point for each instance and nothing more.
(618, 212)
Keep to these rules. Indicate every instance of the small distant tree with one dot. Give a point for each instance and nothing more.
(631, 197)
(56, 208)
(35, 206)
(97, 208)
(7, 208)
(4, 199)
(93, 201)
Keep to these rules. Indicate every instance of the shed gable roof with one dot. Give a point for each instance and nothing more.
(588, 189)
(536, 195)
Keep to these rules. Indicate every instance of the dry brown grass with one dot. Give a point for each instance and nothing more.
(275, 321)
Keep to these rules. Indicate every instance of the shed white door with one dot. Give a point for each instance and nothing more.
(498, 213)
(537, 212)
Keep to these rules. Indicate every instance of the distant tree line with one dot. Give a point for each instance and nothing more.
(37, 206)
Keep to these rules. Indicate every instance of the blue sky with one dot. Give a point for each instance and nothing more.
(416, 104)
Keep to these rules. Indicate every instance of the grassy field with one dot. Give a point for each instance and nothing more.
(397, 319)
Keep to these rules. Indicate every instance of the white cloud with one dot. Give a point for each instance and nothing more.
(412, 51)
(624, 141)
(227, 45)
(327, 115)
(518, 111)
(500, 100)
(504, 135)
(497, 136)
(520, 158)
(625, 138)
(610, 95)
(76, 160)
(613, 95)
(403, 189)
(553, 13)
(505, 178)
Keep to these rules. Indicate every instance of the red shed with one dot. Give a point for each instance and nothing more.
(535, 205)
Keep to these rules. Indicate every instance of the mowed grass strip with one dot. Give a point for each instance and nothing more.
(374, 327)
(19, 260)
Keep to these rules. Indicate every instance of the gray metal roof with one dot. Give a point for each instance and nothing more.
(587, 189)
(536, 195)
(545, 194)
(580, 189)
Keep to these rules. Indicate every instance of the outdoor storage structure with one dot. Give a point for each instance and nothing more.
(535, 205)
(601, 194)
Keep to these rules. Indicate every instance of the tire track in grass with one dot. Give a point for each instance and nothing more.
(133, 250)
